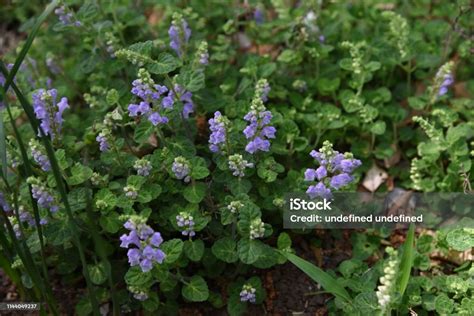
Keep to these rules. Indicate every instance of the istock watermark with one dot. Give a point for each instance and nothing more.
(297, 204)
(396, 209)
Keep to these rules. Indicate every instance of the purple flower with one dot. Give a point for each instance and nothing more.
(349, 165)
(184, 96)
(143, 167)
(203, 54)
(218, 137)
(141, 296)
(248, 294)
(340, 180)
(42, 195)
(322, 39)
(186, 223)
(237, 165)
(181, 168)
(130, 192)
(448, 80)
(321, 172)
(4, 204)
(309, 175)
(48, 111)
(258, 130)
(146, 241)
(103, 140)
(259, 16)
(150, 94)
(25, 216)
(443, 79)
(179, 33)
(318, 190)
(38, 155)
(334, 171)
(65, 17)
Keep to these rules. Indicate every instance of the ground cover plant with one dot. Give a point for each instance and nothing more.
(147, 147)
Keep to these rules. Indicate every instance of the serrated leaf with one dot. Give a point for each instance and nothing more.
(191, 80)
(164, 64)
(172, 249)
(461, 239)
(136, 277)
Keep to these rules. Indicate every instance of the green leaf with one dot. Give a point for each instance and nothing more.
(284, 241)
(58, 232)
(199, 169)
(443, 304)
(461, 239)
(406, 262)
(136, 277)
(152, 303)
(268, 169)
(80, 174)
(457, 132)
(194, 250)
(378, 128)
(416, 103)
(143, 131)
(235, 307)
(166, 63)
(326, 86)
(289, 56)
(173, 249)
(249, 250)
(195, 193)
(192, 80)
(98, 273)
(373, 66)
(61, 158)
(111, 222)
(105, 199)
(196, 290)
(328, 283)
(239, 186)
(225, 250)
(366, 302)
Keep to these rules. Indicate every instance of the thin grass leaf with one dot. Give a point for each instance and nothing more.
(28, 43)
(406, 262)
(3, 148)
(328, 283)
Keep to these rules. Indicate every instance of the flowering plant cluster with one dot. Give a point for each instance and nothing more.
(333, 173)
(147, 151)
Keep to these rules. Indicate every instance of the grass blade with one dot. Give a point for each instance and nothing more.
(3, 148)
(328, 283)
(406, 262)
